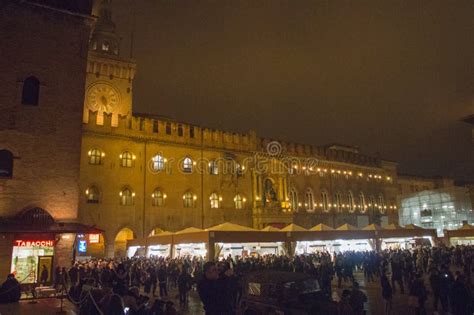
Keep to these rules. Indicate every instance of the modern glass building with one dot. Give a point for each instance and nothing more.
(440, 209)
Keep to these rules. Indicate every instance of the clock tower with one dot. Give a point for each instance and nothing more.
(109, 77)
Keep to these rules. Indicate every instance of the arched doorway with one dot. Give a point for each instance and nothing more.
(120, 246)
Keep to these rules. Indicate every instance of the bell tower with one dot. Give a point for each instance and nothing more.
(109, 77)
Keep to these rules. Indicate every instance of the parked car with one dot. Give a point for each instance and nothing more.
(282, 293)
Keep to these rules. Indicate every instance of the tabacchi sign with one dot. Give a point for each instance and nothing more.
(30, 243)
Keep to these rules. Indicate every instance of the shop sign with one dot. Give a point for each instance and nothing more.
(31, 243)
(94, 238)
(82, 246)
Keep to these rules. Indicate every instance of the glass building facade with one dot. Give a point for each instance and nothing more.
(440, 209)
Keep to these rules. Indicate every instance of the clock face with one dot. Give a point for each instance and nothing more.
(103, 97)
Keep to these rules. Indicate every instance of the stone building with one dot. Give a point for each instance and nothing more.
(131, 174)
(141, 174)
(44, 52)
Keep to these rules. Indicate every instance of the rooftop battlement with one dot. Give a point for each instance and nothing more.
(163, 129)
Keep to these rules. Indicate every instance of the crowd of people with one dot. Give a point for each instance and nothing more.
(141, 286)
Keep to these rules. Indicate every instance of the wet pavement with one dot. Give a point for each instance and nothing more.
(375, 305)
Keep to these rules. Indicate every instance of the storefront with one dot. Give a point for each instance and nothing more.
(30, 257)
(250, 249)
(190, 249)
(34, 245)
(159, 250)
(333, 246)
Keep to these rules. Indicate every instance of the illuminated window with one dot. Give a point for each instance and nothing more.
(30, 92)
(337, 201)
(105, 46)
(293, 199)
(239, 201)
(309, 199)
(158, 163)
(6, 164)
(213, 167)
(126, 197)
(239, 169)
(362, 203)
(381, 204)
(158, 198)
(214, 199)
(325, 201)
(126, 159)
(92, 194)
(350, 199)
(187, 165)
(188, 200)
(372, 202)
(95, 156)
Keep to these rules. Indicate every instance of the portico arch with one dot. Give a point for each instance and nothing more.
(120, 243)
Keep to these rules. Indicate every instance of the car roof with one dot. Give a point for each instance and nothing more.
(270, 276)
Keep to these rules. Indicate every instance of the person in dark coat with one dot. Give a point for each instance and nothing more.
(460, 296)
(184, 284)
(418, 289)
(162, 281)
(358, 298)
(213, 290)
(44, 275)
(435, 282)
(10, 290)
(386, 292)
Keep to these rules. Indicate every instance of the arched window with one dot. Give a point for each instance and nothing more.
(293, 199)
(214, 200)
(188, 199)
(239, 201)
(337, 201)
(325, 201)
(92, 194)
(158, 198)
(213, 167)
(362, 203)
(158, 163)
(187, 165)
(95, 156)
(239, 169)
(30, 92)
(372, 202)
(350, 199)
(309, 200)
(126, 159)
(126, 197)
(6, 164)
(381, 204)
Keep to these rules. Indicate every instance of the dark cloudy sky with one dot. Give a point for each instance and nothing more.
(393, 77)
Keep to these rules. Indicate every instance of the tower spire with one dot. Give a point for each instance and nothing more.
(104, 38)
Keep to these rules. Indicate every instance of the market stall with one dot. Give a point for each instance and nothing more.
(462, 236)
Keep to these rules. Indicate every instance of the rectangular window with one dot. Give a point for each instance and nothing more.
(142, 124)
(155, 126)
(180, 130)
(168, 128)
(191, 132)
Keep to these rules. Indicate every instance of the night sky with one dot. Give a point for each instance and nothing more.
(393, 77)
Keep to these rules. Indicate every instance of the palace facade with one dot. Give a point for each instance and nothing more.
(141, 174)
(73, 151)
